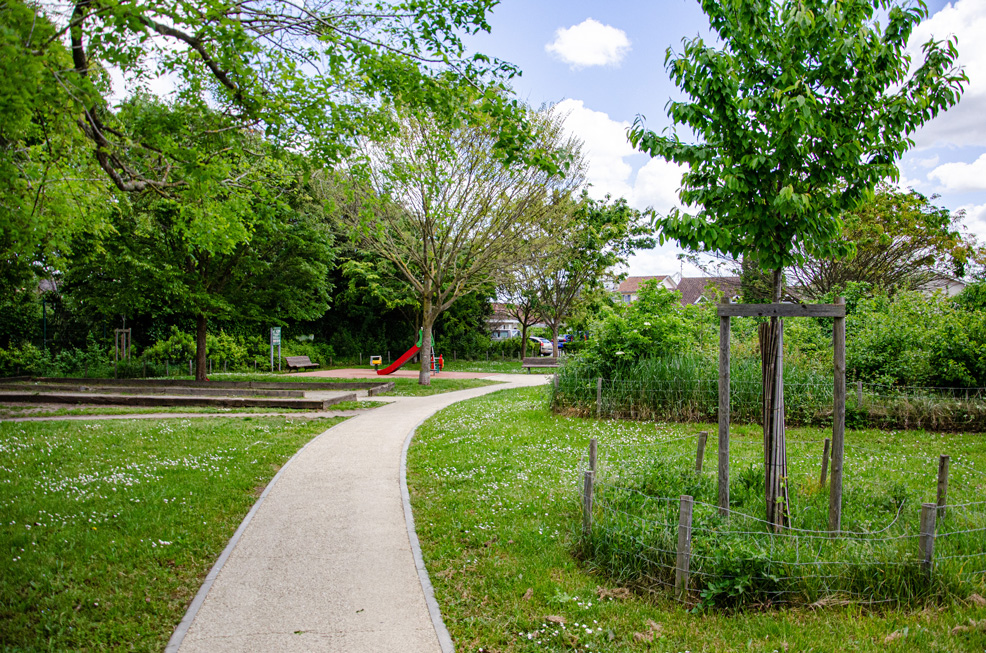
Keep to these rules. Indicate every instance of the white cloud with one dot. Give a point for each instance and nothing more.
(657, 185)
(929, 162)
(605, 147)
(963, 124)
(975, 220)
(608, 155)
(590, 43)
(611, 162)
(958, 176)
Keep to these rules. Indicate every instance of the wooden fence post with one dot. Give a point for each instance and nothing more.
(190, 372)
(723, 478)
(927, 537)
(587, 505)
(167, 369)
(838, 419)
(700, 453)
(592, 456)
(942, 485)
(556, 381)
(825, 462)
(859, 394)
(599, 397)
(684, 553)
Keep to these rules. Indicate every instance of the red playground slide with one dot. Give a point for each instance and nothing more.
(399, 363)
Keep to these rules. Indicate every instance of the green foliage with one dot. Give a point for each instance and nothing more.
(902, 242)
(654, 325)
(47, 193)
(20, 316)
(178, 346)
(912, 340)
(801, 112)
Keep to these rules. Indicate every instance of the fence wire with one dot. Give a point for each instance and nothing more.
(740, 559)
(807, 401)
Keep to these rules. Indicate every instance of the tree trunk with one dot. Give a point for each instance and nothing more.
(200, 360)
(424, 373)
(523, 339)
(554, 338)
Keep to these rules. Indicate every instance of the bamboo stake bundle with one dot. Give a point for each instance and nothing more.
(771, 338)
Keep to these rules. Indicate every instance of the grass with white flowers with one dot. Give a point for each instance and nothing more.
(495, 487)
(109, 527)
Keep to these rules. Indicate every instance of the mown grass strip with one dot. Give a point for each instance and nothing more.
(109, 527)
(494, 487)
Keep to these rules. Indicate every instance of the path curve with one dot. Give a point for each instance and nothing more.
(324, 560)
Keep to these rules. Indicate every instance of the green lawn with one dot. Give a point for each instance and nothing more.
(495, 488)
(110, 527)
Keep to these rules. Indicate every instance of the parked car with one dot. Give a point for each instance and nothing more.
(543, 345)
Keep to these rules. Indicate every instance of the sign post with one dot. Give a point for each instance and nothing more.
(275, 339)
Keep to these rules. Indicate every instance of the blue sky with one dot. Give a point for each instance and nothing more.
(603, 64)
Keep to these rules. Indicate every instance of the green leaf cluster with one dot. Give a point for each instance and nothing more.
(802, 111)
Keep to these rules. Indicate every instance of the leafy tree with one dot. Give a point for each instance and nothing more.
(902, 242)
(588, 238)
(47, 188)
(307, 76)
(447, 211)
(158, 260)
(802, 112)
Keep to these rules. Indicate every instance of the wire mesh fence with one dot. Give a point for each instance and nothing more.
(885, 553)
(807, 401)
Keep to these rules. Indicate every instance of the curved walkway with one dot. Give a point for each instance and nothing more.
(324, 561)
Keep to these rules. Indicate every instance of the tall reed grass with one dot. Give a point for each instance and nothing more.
(685, 388)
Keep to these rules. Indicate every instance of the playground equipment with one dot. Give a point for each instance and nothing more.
(437, 362)
(399, 363)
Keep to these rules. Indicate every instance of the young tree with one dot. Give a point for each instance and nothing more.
(588, 238)
(807, 106)
(519, 294)
(448, 211)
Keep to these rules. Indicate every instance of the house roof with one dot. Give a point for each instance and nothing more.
(693, 288)
(632, 284)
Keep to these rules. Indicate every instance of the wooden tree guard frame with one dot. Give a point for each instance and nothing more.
(726, 310)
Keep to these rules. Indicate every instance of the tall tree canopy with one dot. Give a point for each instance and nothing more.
(174, 255)
(48, 183)
(309, 75)
(806, 107)
(449, 213)
(902, 242)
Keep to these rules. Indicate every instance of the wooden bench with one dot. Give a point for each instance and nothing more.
(537, 361)
(299, 362)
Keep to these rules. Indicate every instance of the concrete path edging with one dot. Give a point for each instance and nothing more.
(444, 637)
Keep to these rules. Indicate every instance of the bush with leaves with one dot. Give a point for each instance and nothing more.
(912, 340)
